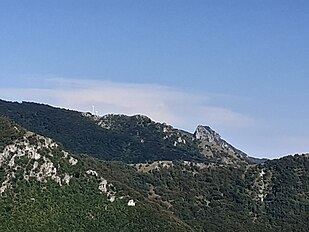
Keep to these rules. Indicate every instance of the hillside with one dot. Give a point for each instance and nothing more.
(44, 188)
(180, 181)
(132, 139)
(272, 196)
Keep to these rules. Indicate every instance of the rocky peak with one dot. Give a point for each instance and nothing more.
(206, 133)
(212, 145)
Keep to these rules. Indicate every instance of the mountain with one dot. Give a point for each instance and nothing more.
(131, 139)
(212, 145)
(178, 181)
(45, 188)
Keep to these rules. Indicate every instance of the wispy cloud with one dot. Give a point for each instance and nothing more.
(181, 109)
(164, 104)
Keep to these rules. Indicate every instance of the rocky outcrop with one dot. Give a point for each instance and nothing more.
(32, 157)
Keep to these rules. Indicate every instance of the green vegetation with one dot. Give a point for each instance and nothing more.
(222, 198)
(33, 205)
(82, 135)
(8, 132)
(287, 205)
(200, 195)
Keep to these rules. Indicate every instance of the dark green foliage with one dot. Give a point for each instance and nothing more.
(288, 203)
(33, 205)
(272, 196)
(82, 135)
(223, 198)
(78, 207)
(211, 199)
(8, 132)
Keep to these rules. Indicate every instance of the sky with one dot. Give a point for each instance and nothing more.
(241, 67)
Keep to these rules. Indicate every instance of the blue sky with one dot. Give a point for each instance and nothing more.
(241, 67)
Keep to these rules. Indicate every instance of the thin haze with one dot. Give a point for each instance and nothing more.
(241, 67)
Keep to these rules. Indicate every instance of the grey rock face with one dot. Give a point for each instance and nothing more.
(206, 133)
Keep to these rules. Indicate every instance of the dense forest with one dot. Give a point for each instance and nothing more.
(36, 204)
(82, 135)
(180, 191)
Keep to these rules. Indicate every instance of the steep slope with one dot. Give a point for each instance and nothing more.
(209, 186)
(152, 140)
(214, 147)
(132, 139)
(44, 188)
(273, 196)
(287, 203)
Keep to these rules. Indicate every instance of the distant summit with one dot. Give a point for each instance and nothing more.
(66, 170)
(131, 139)
(212, 145)
(206, 133)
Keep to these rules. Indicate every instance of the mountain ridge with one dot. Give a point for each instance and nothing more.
(137, 138)
(36, 171)
(178, 182)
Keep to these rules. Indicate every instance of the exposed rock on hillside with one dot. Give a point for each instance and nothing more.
(34, 157)
(44, 188)
(175, 180)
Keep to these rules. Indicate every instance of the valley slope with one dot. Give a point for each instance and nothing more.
(131, 139)
(179, 181)
(45, 188)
